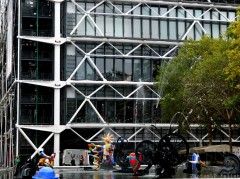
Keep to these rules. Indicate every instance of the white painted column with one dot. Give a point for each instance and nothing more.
(57, 35)
(1, 132)
(5, 138)
(18, 77)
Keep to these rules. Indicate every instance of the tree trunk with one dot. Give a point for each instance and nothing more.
(229, 115)
(230, 134)
(209, 129)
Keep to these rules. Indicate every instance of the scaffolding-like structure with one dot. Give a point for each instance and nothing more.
(9, 92)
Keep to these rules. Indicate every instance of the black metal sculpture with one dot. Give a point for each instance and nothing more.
(231, 166)
(27, 170)
(165, 155)
(122, 156)
(121, 153)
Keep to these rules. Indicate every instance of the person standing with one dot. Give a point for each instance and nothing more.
(73, 160)
(81, 160)
(17, 160)
(17, 164)
(196, 162)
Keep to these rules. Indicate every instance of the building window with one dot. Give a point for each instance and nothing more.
(148, 22)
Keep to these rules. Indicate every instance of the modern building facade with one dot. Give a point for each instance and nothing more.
(73, 70)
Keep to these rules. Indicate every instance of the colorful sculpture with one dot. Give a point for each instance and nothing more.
(107, 147)
(102, 154)
(135, 164)
(45, 160)
(97, 154)
(45, 173)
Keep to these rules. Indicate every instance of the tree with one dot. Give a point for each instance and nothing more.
(233, 68)
(195, 81)
(217, 94)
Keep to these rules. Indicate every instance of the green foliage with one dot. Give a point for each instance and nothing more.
(204, 78)
(195, 79)
(233, 69)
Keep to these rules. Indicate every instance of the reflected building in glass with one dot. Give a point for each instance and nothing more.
(83, 68)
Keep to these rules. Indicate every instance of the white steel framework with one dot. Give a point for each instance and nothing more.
(72, 39)
(7, 94)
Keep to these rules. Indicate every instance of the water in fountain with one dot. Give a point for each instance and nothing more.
(140, 106)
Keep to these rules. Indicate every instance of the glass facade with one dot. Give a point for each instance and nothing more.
(126, 42)
(155, 22)
(83, 68)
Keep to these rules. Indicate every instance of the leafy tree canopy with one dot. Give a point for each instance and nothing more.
(233, 68)
(195, 81)
(202, 81)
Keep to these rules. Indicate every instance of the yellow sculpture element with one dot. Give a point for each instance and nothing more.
(102, 153)
(108, 147)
